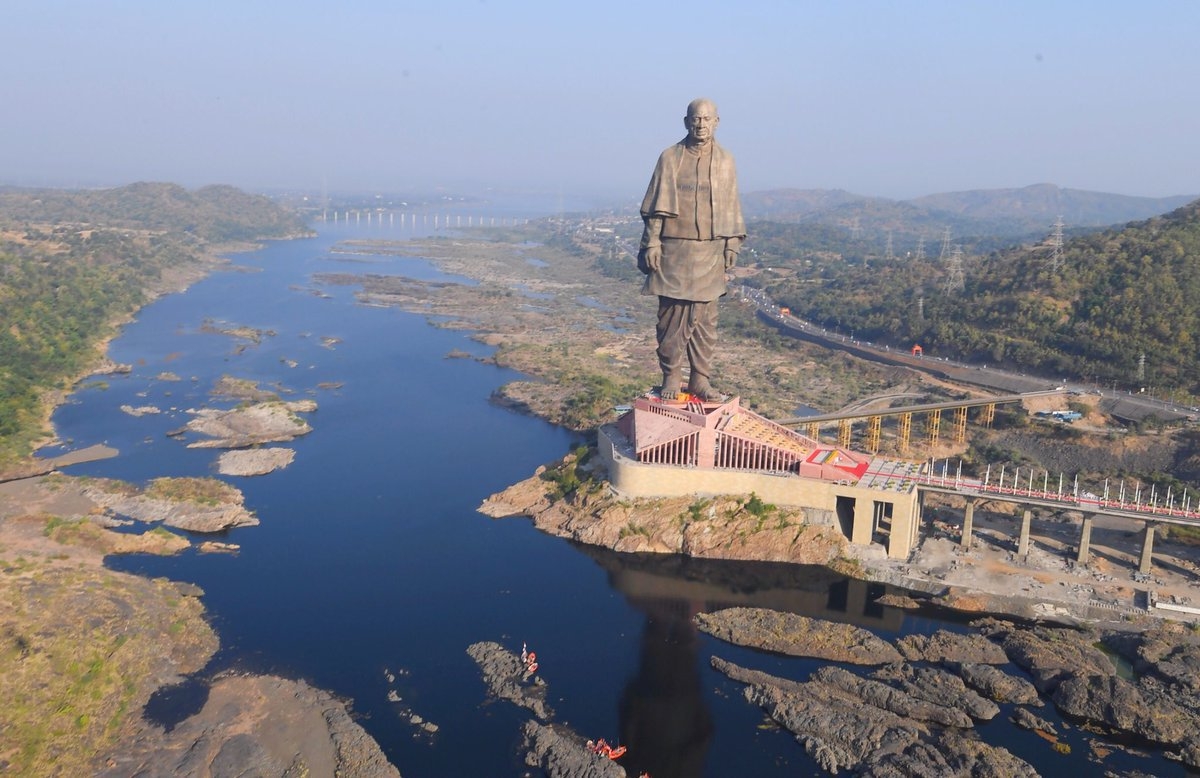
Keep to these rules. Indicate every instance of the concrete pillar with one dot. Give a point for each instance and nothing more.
(1023, 543)
(905, 522)
(1085, 539)
(864, 522)
(968, 524)
(706, 457)
(1147, 550)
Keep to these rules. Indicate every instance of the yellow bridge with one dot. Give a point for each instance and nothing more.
(811, 425)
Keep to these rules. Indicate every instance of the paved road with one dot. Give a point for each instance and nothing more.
(1121, 405)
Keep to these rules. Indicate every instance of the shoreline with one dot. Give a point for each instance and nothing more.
(46, 530)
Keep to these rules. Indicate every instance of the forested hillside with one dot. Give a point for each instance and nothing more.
(212, 213)
(73, 263)
(1109, 298)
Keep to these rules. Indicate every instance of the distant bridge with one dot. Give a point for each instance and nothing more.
(874, 417)
(411, 220)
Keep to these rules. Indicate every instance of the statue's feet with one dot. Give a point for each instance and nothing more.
(670, 386)
(704, 392)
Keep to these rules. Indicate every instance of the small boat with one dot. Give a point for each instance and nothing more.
(602, 748)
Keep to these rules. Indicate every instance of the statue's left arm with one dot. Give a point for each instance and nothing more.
(727, 207)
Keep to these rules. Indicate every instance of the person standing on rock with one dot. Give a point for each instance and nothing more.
(693, 232)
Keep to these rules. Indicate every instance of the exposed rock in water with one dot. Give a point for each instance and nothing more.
(836, 729)
(507, 678)
(213, 514)
(242, 389)
(140, 410)
(950, 753)
(1026, 719)
(1126, 707)
(998, 685)
(940, 687)
(242, 427)
(873, 728)
(902, 702)
(1051, 655)
(748, 676)
(945, 646)
(561, 753)
(257, 725)
(1169, 650)
(795, 635)
(254, 461)
(214, 547)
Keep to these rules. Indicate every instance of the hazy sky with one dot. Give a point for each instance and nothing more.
(897, 99)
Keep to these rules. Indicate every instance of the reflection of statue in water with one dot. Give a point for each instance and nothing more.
(694, 229)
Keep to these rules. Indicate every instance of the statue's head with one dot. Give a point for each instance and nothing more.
(701, 120)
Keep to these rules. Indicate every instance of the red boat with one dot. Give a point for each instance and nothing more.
(602, 748)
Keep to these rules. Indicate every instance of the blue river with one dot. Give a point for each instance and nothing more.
(371, 559)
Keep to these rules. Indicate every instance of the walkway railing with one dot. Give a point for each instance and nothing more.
(1136, 499)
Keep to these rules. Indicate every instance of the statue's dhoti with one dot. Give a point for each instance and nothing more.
(689, 282)
(688, 330)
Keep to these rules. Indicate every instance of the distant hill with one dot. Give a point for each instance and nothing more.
(1043, 203)
(1111, 297)
(1012, 214)
(212, 213)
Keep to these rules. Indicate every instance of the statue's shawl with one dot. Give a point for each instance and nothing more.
(662, 195)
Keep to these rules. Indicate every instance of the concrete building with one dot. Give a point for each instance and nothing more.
(669, 449)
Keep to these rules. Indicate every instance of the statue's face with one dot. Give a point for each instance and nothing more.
(701, 122)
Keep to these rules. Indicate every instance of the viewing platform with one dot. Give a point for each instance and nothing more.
(661, 448)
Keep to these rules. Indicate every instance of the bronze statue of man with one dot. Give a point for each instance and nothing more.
(694, 230)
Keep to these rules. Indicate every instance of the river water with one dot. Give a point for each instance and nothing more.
(372, 560)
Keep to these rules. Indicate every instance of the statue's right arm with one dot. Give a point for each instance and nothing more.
(652, 243)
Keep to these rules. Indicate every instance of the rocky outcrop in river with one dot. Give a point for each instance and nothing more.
(194, 504)
(915, 717)
(788, 633)
(559, 752)
(554, 748)
(244, 426)
(507, 678)
(847, 723)
(254, 461)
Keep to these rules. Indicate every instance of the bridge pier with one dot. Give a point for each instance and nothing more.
(1147, 560)
(1023, 542)
(968, 525)
(1085, 539)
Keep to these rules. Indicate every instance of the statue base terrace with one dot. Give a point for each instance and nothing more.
(688, 446)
